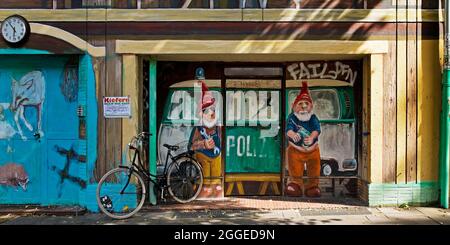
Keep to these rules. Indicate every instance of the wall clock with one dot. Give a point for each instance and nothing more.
(15, 30)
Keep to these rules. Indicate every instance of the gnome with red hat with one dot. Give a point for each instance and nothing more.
(205, 141)
(302, 130)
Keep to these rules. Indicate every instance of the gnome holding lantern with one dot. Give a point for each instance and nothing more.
(302, 130)
(205, 141)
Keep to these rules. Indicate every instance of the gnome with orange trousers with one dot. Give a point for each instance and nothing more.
(205, 142)
(302, 130)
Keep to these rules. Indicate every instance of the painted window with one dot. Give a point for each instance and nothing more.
(252, 106)
(183, 107)
(326, 103)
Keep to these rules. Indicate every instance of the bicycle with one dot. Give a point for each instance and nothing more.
(123, 188)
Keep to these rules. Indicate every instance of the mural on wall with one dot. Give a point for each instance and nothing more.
(205, 141)
(14, 174)
(330, 87)
(192, 121)
(29, 91)
(6, 130)
(69, 83)
(319, 130)
(38, 109)
(303, 130)
(337, 70)
(70, 156)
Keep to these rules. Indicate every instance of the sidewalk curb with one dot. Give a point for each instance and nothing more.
(42, 210)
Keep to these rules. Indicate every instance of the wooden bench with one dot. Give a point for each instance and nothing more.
(264, 178)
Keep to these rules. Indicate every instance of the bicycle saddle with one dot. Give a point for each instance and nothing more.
(171, 147)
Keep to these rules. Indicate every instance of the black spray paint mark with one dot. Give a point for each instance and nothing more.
(64, 173)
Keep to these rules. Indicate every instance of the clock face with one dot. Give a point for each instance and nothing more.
(14, 29)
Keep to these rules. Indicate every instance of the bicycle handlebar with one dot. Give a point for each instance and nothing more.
(139, 139)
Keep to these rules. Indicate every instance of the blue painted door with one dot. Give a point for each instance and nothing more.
(39, 130)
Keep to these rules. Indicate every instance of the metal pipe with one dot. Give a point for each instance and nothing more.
(445, 116)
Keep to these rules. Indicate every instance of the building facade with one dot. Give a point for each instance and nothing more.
(372, 70)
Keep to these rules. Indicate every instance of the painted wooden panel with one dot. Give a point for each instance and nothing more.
(429, 99)
(39, 126)
(113, 87)
(131, 87)
(401, 103)
(411, 106)
(376, 118)
(390, 111)
(253, 139)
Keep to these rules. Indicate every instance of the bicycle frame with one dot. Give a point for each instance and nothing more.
(146, 174)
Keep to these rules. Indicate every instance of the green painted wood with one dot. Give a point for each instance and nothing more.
(152, 125)
(249, 152)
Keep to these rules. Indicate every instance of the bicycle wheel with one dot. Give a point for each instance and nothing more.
(121, 193)
(184, 179)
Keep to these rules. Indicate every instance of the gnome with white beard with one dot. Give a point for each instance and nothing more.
(302, 130)
(205, 142)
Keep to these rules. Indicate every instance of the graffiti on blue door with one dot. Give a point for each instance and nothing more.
(64, 174)
(39, 162)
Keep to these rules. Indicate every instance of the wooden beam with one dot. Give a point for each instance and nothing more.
(221, 15)
(250, 47)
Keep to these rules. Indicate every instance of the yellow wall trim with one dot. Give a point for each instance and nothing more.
(67, 37)
(269, 15)
(327, 47)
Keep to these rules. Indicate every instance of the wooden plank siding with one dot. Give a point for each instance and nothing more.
(245, 30)
(113, 127)
(411, 99)
(406, 96)
(390, 111)
(401, 102)
(364, 168)
(100, 72)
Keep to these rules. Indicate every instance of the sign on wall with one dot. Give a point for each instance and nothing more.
(116, 107)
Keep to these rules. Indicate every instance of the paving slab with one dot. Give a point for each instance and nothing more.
(441, 216)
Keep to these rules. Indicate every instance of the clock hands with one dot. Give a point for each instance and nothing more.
(14, 29)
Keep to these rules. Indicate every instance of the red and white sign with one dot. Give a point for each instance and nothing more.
(116, 107)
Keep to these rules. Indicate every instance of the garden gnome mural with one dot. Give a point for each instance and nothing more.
(205, 140)
(302, 130)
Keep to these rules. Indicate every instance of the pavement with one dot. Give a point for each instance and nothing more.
(244, 211)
